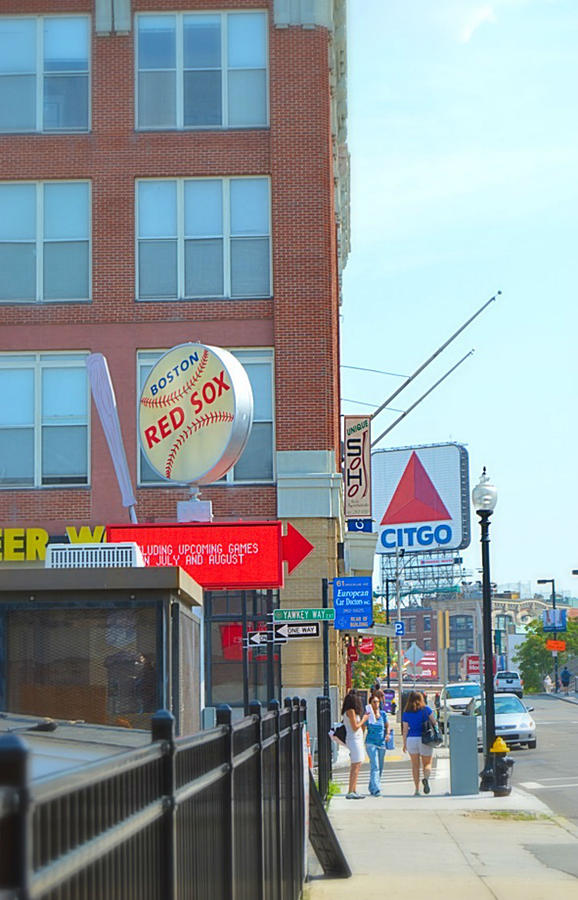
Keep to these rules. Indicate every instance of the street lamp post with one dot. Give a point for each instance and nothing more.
(485, 497)
(553, 583)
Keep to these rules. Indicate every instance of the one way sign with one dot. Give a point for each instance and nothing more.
(290, 630)
(256, 638)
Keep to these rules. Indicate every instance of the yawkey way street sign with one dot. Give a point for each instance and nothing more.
(303, 615)
(296, 630)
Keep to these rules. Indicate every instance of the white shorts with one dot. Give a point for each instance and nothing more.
(416, 745)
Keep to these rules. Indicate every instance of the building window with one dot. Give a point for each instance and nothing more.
(461, 645)
(203, 238)
(44, 241)
(427, 644)
(256, 462)
(197, 70)
(410, 623)
(427, 623)
(44, 73)
(43, 420)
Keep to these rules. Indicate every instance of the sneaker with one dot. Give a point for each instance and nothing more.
(416, 794)
(353, 795)
(426, 787)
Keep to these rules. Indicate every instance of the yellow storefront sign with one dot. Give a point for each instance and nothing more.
(29, 544)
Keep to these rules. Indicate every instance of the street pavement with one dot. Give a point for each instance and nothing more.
(475, 846)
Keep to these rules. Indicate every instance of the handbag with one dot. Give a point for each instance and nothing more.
(430, 734)
(389, 744)
(339, 733)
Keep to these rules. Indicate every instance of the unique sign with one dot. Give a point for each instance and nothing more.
(421, 498)
(559, 646)
(195, 413)
(353, 602)
(554, 620)
(290, 630)
(428, 664)
(220, 556)
(322, 614)
(357, 467)
(352, 654)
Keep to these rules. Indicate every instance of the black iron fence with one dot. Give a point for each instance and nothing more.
(220, 814)
(324, 769)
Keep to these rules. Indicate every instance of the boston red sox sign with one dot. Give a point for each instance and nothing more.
(195, 413)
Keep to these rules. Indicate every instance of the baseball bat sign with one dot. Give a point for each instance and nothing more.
(105, 402)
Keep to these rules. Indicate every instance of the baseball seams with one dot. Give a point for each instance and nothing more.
(169, 399)
(212, 418)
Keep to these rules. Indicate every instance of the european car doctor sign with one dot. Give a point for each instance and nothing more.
(195, 413)
(421, 498)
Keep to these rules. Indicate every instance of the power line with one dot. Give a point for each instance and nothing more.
(377, 371)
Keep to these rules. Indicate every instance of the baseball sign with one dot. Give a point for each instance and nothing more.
(195, 413)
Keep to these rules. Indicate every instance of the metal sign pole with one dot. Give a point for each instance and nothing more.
(399, 652)
(325, 605)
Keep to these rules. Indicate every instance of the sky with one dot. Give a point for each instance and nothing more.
(463, 135)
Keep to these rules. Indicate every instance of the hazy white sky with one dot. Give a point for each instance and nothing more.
(463, 134)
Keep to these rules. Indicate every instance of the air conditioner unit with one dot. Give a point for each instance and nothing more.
(93, 556)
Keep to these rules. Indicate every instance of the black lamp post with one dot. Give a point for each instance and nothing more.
(485, 497)
(552, 582)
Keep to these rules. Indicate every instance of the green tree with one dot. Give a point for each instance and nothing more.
(535, 660)
(371, 666)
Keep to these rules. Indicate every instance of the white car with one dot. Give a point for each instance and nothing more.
(454, 698)
(513, 720)
(509, 683)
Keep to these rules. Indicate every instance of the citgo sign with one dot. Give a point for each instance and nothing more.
(421, 498)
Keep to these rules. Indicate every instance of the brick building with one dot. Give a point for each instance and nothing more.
(173, 171)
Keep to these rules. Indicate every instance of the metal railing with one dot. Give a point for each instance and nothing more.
(220, 814)
(324, 761)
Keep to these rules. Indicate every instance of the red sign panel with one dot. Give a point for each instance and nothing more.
(366, 645)
(216, 555)
(556, 645)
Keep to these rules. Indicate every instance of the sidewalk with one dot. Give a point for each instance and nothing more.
(466, 847)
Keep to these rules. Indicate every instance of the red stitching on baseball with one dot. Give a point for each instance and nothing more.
(168, 399)
(211, 418)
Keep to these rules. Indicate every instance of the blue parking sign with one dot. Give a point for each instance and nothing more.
(353, 602)
(399, 628)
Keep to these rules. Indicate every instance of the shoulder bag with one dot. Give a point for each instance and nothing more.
(430, 734)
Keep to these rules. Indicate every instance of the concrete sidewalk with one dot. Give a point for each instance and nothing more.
(471, 847)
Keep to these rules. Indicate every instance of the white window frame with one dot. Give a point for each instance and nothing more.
(179, 71)
(264, 355)
(40, 361)
(41, 73)
(39, 242)
(180, 238)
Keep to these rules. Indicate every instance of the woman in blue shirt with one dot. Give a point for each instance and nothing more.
(415, 714)
(377, 735)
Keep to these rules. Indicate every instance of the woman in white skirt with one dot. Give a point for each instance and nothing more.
(354, 720)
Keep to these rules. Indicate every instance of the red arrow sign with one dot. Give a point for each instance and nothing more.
(219, 555)
(295, 547)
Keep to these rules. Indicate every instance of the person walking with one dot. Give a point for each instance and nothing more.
(565, 677)
(547, 684)
(375, 740)
(415, 714)
(354, 721)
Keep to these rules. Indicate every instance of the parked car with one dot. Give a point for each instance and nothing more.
(513, 720)
(454, 698)
(508, 682)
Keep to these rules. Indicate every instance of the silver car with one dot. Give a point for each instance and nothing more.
(513, 720)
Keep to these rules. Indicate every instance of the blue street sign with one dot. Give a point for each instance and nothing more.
(360, 525)
(353, 602)
(399, 628)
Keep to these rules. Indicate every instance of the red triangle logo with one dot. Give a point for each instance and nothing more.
(415, 498)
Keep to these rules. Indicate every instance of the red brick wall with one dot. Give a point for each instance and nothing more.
(301, 321)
